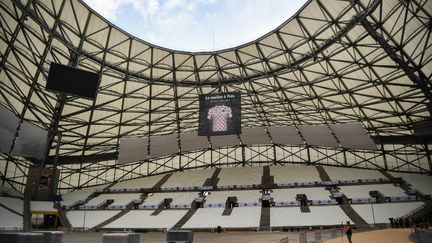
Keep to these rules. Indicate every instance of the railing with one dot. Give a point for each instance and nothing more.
(319, 236)
(312, 236)
(425, 207)
(422, 235)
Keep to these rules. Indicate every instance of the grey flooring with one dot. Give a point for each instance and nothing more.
(199, 237)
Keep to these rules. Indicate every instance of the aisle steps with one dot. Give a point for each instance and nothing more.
(265, 219)
(323, 174)
(213, 181)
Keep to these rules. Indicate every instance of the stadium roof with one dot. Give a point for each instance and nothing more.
(343, 62)
(198, 25)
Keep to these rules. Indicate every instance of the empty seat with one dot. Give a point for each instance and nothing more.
(188, 179)
(212, 217)
(145, 182)
(244, 196)
(362, 191)
(249, 176)
(291, 174)
(319, 215)
(142, 219)
(349, 174)
(89, 218)
(312, 193)
(120, 199)
(380, 213)
(72, 198)
(421, 183)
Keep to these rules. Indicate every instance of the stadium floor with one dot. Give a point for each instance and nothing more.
(377, 236)
(204, 237)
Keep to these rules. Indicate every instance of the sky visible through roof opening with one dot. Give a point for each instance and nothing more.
(197, 25)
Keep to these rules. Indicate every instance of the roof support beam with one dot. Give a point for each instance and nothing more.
(407, 139)
(35, 78)
(407, 66)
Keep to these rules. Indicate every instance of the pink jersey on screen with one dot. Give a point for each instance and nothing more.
(219, 116)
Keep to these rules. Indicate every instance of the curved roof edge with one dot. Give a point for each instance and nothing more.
(195, 52)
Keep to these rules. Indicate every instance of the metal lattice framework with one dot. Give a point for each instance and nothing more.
(366, 61)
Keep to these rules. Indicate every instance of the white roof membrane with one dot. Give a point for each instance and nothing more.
(31, 141)
(132, 149)
(319, 135)
(224, 141)
(353, 136)
(254, 135)
(285, 135)
(163, 145)
(191, 142)
(8, 126)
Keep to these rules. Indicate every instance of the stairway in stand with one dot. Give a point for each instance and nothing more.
(227, 211)
(305, 209)
(95, 194)
(419, 212)
(265, 219)
(161, 182)
(213, 181)
(91, 196)
(388, 175)
(351, 213)
(187, 216)
(62, 216)
(405, 186)
(128, 208)
(162, 205)
(398, 180)
(323, 174)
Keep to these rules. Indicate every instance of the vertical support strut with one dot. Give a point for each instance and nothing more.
(243, 147)
(56, 176)
(383, 152)
(428, 156)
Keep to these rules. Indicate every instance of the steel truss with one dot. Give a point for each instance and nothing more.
(358, 61)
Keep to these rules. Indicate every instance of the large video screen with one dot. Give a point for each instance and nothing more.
(219, 114)
(72, 81)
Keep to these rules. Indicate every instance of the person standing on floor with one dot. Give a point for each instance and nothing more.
(348, 231)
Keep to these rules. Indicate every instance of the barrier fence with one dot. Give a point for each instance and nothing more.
(422, 235)
(313, 236)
